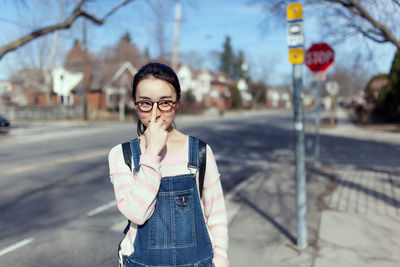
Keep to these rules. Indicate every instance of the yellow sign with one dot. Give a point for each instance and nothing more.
(294, 11)
(296, 55)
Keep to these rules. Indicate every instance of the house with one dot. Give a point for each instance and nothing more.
(376, 86)
(185, 76)
(202, 83)
(31, 87)
(6, 89)
(219, 96)
(119, 87)
(279, 97)
(197, 81)
(64, 82)
(108, 85)
(244, 91)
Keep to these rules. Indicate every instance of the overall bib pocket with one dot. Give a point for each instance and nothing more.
(172, 224)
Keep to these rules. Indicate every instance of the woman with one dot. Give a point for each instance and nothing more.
(170, 224)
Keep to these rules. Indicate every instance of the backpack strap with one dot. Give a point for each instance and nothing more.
(126, 149)
(197, 159)
(132, 153)
(202, 162)
(129, 157)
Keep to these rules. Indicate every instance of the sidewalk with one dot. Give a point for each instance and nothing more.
(353, 212)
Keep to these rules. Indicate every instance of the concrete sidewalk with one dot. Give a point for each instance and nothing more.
(353, 212)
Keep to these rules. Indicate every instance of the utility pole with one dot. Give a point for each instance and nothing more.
(175, 55)
(85, 70)
(296, 57)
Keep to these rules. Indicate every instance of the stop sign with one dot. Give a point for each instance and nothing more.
(319, 57)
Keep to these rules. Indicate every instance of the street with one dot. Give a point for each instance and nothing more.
(57, 204)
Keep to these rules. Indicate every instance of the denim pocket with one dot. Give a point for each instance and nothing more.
(184, 222)
(183, 202)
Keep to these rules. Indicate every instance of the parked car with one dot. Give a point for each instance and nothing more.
(4, 123)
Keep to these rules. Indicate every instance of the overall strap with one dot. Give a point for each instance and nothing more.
(193, 162)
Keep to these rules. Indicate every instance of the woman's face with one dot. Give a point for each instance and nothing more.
(154, 90)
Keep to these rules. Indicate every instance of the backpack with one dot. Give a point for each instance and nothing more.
(126, 148)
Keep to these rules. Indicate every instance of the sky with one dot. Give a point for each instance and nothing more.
(205, 25)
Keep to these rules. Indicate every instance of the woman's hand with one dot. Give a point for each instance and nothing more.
(155, 135)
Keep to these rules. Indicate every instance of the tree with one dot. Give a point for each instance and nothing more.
(258, 91)
(235, 66)
(389, 96)
(240, 66)
(125, 50)
(227, 58)
(236, 97)
(375, 20)
(78, 11)
(351, 78)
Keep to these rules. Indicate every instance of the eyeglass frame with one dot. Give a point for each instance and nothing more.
(172, 105)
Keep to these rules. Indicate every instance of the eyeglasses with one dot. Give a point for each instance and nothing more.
(162, 105)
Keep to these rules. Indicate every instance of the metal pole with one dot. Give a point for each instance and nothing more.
(333, 107)
(317, 162)
(175, 53)
(85, 71)
(301, 196)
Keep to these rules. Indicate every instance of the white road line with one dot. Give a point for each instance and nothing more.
(101, 208)
(16, 246)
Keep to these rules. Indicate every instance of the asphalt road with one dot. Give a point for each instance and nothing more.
(57, 203)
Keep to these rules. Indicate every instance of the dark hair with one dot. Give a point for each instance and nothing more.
(157, 71)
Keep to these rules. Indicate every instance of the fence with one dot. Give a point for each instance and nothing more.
(42, 113)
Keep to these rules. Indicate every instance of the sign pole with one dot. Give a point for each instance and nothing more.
(317, 162)
(296, 57)
(301, 196)
(319, 57)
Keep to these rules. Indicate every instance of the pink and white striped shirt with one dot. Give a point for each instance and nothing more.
(136, 194)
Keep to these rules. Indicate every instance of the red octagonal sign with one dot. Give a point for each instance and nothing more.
(319, 57)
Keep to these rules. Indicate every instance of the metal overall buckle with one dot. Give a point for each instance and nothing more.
(193, 171)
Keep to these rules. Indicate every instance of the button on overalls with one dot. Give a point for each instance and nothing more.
(176, 233)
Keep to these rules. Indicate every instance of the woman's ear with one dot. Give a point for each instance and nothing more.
(178, 101)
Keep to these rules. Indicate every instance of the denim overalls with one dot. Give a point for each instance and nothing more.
(176, 233)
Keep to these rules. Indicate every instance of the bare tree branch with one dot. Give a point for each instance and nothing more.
(67, 23)
(361, 11)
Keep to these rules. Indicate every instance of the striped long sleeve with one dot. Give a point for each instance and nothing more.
(215, 211)
(135, 194)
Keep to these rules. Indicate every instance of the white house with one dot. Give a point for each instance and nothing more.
(199, 81)
(202, 84)
(243, 89)
(185, 77)
(63, 83)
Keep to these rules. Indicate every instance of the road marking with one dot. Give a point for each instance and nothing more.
(119, 226)
(101, 208)
(17, 245)
(55, 162)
